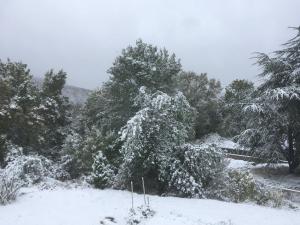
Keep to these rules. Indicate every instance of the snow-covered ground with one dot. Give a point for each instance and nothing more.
(219, 141)
(87, 206)
(276, 175)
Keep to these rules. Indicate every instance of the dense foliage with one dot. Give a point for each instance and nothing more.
(237, 95)
(204, 95)
(275, 129)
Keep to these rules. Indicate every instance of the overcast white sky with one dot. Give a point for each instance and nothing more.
(83, 37)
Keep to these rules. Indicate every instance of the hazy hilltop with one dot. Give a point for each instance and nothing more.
(75, 94)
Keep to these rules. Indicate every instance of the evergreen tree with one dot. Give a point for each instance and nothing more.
(19, 118)
(137, 66)
(237, 95)
(276, 129)
(103, 172)
(109, 108)
(203, 94)
(54, 111)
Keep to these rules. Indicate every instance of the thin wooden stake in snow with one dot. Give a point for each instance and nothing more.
(144, 190)
(131, 195)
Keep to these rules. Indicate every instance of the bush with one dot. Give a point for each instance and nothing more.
(194, 169)
(32, 169)
(270, 197)
(240, 186)
(9, 187)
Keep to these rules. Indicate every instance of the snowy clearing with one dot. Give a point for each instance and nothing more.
(89, 206)
(219, 141)
(273, 175)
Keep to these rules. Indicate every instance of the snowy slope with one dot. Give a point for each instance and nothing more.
(90, 206)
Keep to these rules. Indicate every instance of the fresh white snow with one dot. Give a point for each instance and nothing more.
(239, 164)
(219, 141)
(88, 206)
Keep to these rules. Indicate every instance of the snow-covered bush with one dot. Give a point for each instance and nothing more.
(103, 172)
(267, 196)
(9, 187)
(140, 214)
(194, 168)
(32, 169)
(240, 186)
(149, 137)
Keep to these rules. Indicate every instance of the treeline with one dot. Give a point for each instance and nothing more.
(139, 122)
(35, 119)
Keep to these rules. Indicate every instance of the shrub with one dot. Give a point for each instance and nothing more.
(9, 187)
(270, 197)
(32, 169)
(194, 169)
(239, 186)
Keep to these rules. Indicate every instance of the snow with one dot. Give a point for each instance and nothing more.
(88, 206)
(239, 164)
(219, 141)
(274, 176)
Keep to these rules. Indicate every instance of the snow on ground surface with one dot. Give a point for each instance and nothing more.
(87, 206)
(221, 142)
(239, 164)
(276, 175)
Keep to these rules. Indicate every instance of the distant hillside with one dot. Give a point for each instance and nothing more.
(76, 95)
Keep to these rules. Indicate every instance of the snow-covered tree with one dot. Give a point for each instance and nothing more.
(103, 172)
(137, 66)
(19, 118)
(275, 128)
(109, 108)
(237, 94)
(54, 111)
(203, 94)
(148, 139)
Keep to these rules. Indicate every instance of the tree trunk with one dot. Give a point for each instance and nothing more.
(296, 162)
(293, 150)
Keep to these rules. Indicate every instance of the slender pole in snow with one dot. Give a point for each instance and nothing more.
(131, 194)
(144, 190)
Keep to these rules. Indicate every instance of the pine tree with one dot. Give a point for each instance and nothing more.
(237, 95)
(276, 132)
(103, 172)
(137, 66)
(54, 111)
(109, 108)
(19, 118)
(203, 94)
